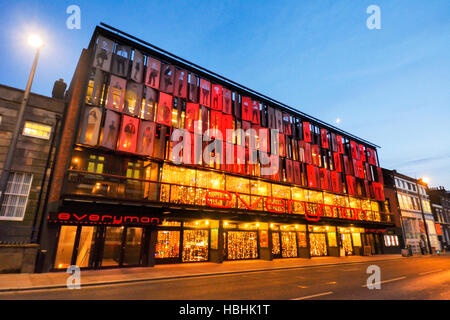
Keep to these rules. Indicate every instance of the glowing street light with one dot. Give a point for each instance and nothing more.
(35, 41)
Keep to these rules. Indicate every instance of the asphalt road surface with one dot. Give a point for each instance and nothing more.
(409, 278)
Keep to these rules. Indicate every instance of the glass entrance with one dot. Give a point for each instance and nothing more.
(86, 245)
(112, 246)
(318, 244)
(347, 243)
(288, 245)
(242, 245)
(64, 251)
(133, 246)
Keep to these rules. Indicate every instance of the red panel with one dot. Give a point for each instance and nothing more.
(351, 187)
(216, 97)
(227, 124)
(380, 175)
(336, 182)
(306, 132)
(325, 179)
(287, 124)
(282, 145)
(181, 84)
(164, 115)
(264, 144)
(167, 81)
(256, 119)
(354, 150)
(378, 191)
(310, 172)
(205, 92)
(246, 109)
(146, 138)
(316, 155)
(368, 173)
(297, 174)
(324, 138)
(308, 153)
(289, 171)
(346, 165)
(239, 163)
(337, 162)
(191, 116)
(340, 145)
(128, 134)
(153, 73)
(367, 188)
(362, 153)
(215, 123)
(193, 88)
(372, 157)
(227, 100)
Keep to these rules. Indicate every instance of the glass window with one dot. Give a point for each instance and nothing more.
(65, 247)
(195, 245)
(85, 246)
(112, 246)
(132, 250)
(236, 184)
(16, 196)
(167, 244)
(37, 130)
(356, 239)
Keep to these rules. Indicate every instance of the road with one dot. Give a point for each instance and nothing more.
(411, 278)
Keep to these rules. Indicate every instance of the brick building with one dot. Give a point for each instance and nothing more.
(440, 203)
(25, 193)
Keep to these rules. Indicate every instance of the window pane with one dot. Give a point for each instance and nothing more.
(85, 246)
(133, 241)
(111, 250)
(168, 244)
(65, 247)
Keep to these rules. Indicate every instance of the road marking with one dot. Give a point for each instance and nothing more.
(385, 281)
(314, 295)
(428, 272)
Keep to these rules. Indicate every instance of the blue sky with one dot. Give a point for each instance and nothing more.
(389, 86)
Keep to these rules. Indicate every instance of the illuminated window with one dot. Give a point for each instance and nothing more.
(16, 196)
(37, 130)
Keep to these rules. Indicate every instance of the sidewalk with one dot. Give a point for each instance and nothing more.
(35, 281)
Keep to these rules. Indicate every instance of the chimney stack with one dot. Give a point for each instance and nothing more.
(59, 89)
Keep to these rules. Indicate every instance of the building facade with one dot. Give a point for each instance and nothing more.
(27, 184)
(440, 204)
(158, 163)
(410, 197)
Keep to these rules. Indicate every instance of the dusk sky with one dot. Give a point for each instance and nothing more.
(389, 86)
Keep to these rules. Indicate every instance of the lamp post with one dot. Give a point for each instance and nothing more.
(36, 42)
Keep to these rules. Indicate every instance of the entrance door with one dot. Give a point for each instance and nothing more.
(347, 243)
(133, 246)
(276, 244)
(318, 244)
(112, 246)
(242, 245)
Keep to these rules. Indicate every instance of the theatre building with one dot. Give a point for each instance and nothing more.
(121, 197)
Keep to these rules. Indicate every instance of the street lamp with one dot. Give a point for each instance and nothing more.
(36, 42)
